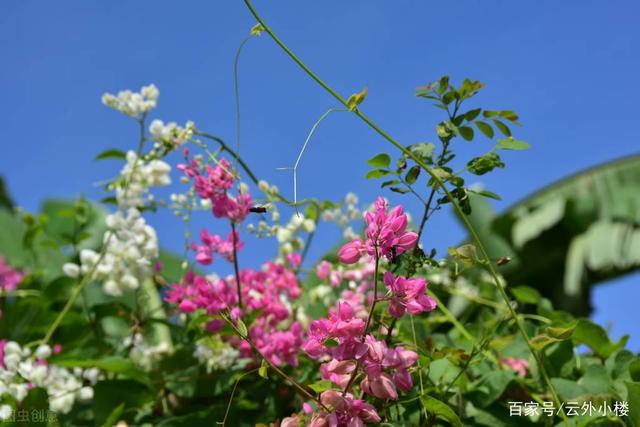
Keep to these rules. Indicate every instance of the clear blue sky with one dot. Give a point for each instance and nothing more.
(568, 68)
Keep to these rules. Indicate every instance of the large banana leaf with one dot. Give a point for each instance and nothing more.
(570, 235)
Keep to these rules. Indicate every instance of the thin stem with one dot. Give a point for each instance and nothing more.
(415, 343)
(304, 147)
(279, 371)
(233, 392)
(375, 296)
(427, 206)
(366, 326)
(231, 152)
(440, 183)
(236, 270)
(236, 88)
(87, 277)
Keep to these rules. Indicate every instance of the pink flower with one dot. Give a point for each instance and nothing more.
(215, 244)
(214, 183)
(387, 369)
(386, 235)
(345, 411)
(342, 326)
(519, 365)
(408, 295)
(290, 422)
(9, 278)
(323, 270)
(351, 252)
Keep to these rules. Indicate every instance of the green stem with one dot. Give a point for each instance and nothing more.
(237, 91)
(87, 277)
(304, 147)
(439, 182)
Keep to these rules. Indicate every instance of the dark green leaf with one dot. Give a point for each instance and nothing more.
(504, 129)
(441, 410)
(472, 114)
(111, 154)
(399, 190)
(466, 132)
(377, 173)
(412, 175)
(485, 129)
(486, 163)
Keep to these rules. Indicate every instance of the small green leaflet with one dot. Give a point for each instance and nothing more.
(510, 143)
(380, 161)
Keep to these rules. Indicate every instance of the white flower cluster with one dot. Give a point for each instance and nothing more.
(139, 176)
(143, 354)
(170, 133)
(22, 370)
(129, 253)
(344, 214)
(133, 104)
(215, 356)
(131, 244)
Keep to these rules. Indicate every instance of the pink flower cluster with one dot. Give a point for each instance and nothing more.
(215, 244)
(386, 235)
(264, 293)
(213, 183)
(345, 411)
(9, 278)
(386, 369)
(408, 295)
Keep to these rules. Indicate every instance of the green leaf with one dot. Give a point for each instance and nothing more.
(502, 127)
(111, 154)
(424, 150)
(485, 193)
(441, 410)
(377, 173)
(472, 114)
(509, 115)
(553, 334)
(356, 99)
(485, 163)
(399, 190)
(633, 398)
(466, 132)
(321, 386)
(634, 369)
(113, 364)
(114, 416)
(242, 328)
(510, 143)
(263, 369)
(380, 161)
(110, 394)
(412, 175)
(595, 337)
(526, 294)
(485, 129)
(388, 183)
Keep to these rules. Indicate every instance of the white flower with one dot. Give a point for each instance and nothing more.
(43, 351)
(309, 225)
(71, 270)
(5, 412)
(85, 393)
(132, 103)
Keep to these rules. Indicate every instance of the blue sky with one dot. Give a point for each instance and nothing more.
(568, 68)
